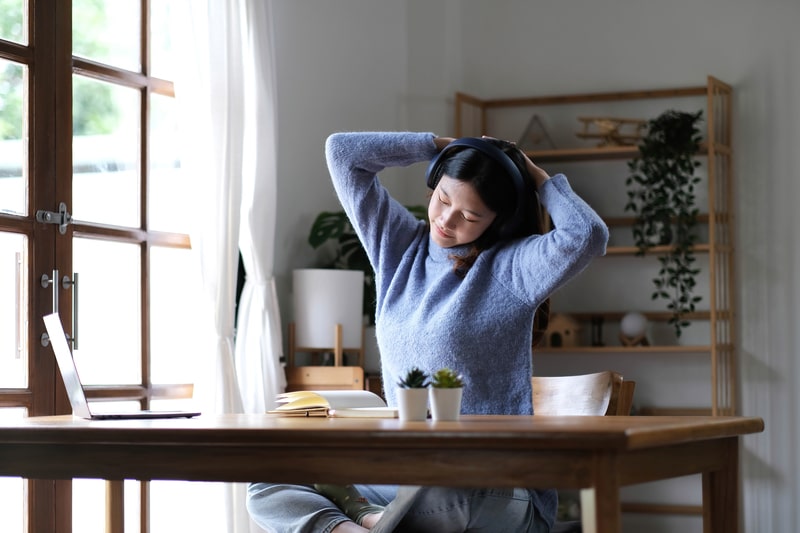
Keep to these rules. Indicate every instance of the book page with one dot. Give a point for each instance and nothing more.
(364, 412)
(332, 399)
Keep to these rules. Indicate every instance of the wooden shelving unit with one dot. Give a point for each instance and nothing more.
(475, 116)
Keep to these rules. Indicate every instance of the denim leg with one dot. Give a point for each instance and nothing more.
(378, 494)
(447, 510)
(280, 508)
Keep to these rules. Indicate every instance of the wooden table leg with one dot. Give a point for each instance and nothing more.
(600, 506)
(115, 506)
(721, 491)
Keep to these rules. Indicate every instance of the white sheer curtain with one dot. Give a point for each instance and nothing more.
(258, 341)
(226, 96)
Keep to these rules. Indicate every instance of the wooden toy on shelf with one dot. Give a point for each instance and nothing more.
(612, 131)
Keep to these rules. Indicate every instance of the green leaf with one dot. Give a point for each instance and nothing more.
(335, 227)
(327, 226)
(661, 196)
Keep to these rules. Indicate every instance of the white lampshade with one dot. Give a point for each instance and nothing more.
(324, 298)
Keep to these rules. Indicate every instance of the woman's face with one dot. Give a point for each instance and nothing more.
(456, 213)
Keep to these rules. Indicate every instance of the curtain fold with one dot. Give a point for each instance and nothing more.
(259, 341)
(226, 99)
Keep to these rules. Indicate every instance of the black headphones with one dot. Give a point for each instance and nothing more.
(433, 175)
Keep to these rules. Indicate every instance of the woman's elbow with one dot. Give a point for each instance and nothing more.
(599, 238)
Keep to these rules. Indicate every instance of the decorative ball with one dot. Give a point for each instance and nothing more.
(633, 325)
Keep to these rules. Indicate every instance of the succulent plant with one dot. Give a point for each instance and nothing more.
(445, 378)
(415, 379)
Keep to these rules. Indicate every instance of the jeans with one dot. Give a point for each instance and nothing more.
(300, 509)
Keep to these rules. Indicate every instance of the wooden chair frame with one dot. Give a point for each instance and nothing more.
(601, 393)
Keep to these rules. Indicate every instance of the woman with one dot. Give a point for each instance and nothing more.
(459, 291)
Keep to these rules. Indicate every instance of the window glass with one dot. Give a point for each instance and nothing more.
(169, 188)
(109, 317)
(13, 311)
(107, 31)
(202, 498)
(105, 153)
(13, 134)
(88, 511)
(162, 29)
(13, 21)
(177, 345)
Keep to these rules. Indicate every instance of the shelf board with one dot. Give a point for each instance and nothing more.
(633, 250)
(673, 411)
(602, 153)
(584, 154)
(624, 350)
(661, 508)
(653, 316)
(630, 220)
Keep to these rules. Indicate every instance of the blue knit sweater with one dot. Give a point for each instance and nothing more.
(480, 325)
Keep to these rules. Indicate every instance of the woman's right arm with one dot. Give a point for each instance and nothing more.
(383, 225)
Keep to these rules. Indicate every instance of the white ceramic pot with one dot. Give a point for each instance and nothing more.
(412, 404)
(445, 403)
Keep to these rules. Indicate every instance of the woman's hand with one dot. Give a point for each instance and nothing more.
(441, 142)
(537, 173)
(539, 176)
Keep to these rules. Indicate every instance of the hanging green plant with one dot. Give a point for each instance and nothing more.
(661, 194)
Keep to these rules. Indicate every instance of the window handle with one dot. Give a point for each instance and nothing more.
(61, 218)
(20, 305)
(65, 283)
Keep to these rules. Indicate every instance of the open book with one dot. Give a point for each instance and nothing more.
(333, 403)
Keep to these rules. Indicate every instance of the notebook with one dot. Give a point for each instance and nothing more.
(72, 382)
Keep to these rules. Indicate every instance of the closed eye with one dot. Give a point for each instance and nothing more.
(466, 218)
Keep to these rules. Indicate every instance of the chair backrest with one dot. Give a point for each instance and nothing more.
(324, 378)
(598, 394)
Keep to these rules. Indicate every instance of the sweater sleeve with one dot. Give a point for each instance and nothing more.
(384, 226)
(543, 263)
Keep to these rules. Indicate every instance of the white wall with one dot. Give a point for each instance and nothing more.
(389, 64)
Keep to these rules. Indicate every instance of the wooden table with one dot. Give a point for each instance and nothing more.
(597, 453)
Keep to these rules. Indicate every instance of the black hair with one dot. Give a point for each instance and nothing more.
(516, 216)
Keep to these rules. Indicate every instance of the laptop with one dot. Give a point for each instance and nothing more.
(72, 382)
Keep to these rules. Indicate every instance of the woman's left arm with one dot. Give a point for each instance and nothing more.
(546, 262)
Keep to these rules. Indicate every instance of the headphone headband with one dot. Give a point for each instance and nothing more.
(433, 175)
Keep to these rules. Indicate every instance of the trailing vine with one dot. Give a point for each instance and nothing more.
(661, 194)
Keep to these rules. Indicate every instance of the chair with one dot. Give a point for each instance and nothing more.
(599, 394)
(324, 378)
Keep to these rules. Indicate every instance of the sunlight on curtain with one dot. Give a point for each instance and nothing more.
(258, 342)
(225, 94)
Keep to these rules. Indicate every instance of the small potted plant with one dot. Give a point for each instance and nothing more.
(445, 394)
(412, 395)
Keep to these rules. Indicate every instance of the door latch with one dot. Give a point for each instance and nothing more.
(62, 217)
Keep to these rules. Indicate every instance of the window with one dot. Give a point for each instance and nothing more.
(87, 127)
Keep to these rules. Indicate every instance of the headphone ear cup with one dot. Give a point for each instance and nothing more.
(431, 175)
